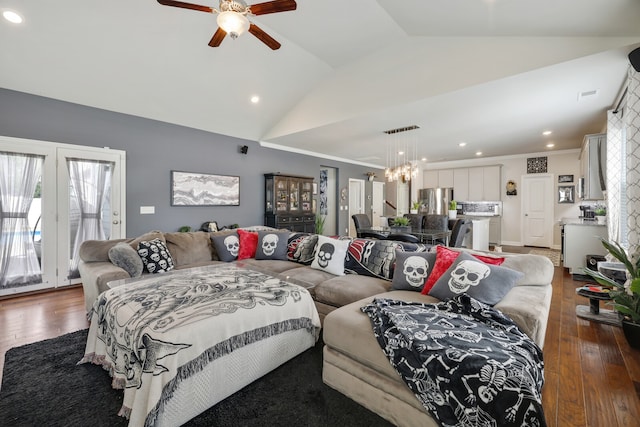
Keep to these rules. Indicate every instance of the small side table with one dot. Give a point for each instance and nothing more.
(593, 311)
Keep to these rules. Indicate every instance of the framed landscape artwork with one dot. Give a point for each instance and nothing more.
(202, 189)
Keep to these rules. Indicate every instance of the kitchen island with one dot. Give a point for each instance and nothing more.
(581, 237)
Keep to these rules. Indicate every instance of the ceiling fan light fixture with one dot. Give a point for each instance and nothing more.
(233, 23)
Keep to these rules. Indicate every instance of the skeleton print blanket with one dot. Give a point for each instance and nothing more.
(158, 331)
(467, 363)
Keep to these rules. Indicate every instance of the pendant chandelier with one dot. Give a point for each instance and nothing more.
(402, 155)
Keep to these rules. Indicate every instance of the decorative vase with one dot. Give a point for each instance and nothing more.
(453, 214)
(601, 219)
(413, 211)
(401, 228)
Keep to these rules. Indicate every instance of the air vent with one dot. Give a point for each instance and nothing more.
(404, 129)
(587, 94)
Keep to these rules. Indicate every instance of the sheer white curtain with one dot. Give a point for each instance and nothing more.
(19, 175)
(90, 187)
(616, 176)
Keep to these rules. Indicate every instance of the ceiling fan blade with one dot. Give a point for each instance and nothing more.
(264, 37)
(186, 5)
(272, 7)
(217, 38)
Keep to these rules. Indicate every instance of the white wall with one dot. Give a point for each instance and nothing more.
(564, 162)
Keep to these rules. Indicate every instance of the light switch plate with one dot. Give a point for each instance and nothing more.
(147, 210)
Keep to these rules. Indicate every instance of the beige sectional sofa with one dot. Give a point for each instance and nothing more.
(353, 361)
(195, 249)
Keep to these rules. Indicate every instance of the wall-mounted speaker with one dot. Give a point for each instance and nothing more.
(244, 149)
(634, 58)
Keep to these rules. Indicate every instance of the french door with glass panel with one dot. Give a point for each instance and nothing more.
(52, 198)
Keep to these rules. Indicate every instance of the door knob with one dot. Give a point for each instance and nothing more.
(115, 221)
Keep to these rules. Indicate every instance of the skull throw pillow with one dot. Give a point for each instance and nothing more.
(330, 254)
(468, 275)
(412, 270)
(226, 246)
(272, 245)
(155, 256)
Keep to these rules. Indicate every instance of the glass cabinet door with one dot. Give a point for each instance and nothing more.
(268, 195)
(294, 195)
(306, 194)
(281, 195)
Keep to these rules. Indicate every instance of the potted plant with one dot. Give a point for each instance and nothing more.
(415, 207)
(401, 224)
(625, 294)
(453, 209)
(601, 213)
(320, 219)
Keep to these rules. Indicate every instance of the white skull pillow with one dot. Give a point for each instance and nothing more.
(484, 282)
(226, 246)
(329, 255)
(155, 256)
(412, 269)
(272, 245)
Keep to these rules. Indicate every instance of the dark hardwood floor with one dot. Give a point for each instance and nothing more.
(592, 376)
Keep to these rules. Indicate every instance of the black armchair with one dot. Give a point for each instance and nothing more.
(361, 221)
(459, 231)
(437, 222)
(417, 221)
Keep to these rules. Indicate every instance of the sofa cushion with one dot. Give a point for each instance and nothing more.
(485, 282)
(272, 266)
(189, 248)
(248, 244)
(98, 250)
(225, 233)
(272, 245)
(146, 237)
(301, 247)
(412, 270)
(125, 257)
(226, 246)
(342, 290)
(329, 255)
(445, 258)
(155, 256)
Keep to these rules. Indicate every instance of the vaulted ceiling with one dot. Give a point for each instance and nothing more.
(492, 73)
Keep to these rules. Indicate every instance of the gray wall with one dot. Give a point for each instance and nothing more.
(154, 149)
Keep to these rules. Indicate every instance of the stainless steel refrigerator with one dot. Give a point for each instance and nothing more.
(435, 200)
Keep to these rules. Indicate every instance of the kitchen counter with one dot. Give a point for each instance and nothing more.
(581, 238)
(579, 221)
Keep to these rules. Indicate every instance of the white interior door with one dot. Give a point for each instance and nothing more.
(377, 204)
(356, 202)
(50, 214)
(537, 210)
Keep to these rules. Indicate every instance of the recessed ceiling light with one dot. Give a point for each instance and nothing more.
(255, 99)
(478, 153)
(424, 159)
(462, 144)
(546, 132)
(400, 153)
(12, 16)
(551, 145)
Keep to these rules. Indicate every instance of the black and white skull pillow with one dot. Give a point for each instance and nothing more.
(484, 282)
(155, 256)
(272, 245)
(226, 246)
(330, 254)
(412, 269)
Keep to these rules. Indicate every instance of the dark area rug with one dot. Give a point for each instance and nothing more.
(42, 385)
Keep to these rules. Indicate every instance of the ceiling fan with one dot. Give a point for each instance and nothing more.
(232, 18)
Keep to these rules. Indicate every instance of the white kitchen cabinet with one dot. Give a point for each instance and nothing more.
(445, 178)
(582, 239)
(461, 184)
(476, 184)
(430, 179)
(593, 161)
(491, 181)
(495, 230)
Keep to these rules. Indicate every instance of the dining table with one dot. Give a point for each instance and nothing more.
(426, 235)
